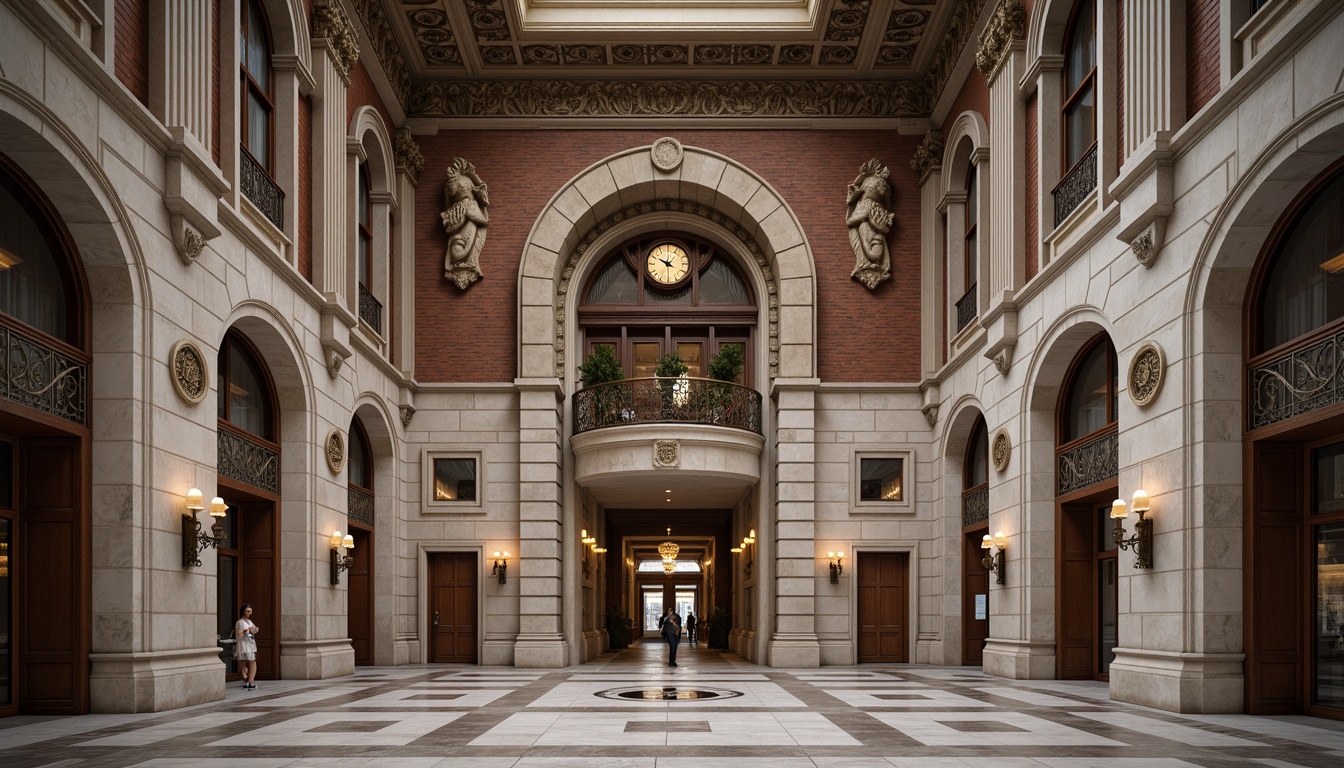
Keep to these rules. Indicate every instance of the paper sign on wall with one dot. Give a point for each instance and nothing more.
(981, 607)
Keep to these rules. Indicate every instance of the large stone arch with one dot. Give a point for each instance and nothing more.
(374, 415)
(954, 442)
(704, 185)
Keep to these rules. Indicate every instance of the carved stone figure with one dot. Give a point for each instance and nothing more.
(464, 221)
(869, 219)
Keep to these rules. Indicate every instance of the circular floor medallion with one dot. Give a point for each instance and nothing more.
(667, 693)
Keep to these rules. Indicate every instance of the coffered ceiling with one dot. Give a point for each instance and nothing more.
(456, 57)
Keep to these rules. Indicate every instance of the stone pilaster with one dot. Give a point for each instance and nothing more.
(541, 639)
(928, 163)
(332, 59)
(409, 163)
(181, 51)
(1154, 70)
(793, 643)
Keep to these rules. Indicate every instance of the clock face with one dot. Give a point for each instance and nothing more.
(668, 264)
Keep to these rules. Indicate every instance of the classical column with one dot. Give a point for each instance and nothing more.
(541, 640)
(793, 643)
(928, 166)
(410, 163)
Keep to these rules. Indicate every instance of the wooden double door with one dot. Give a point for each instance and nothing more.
(1088, 596)
(453, 586)
(359, 596)
(249, 563)
(884, 607)
(974, 598)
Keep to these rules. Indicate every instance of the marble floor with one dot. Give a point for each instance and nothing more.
(630, 710)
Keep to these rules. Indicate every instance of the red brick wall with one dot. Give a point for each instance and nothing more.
(305, 188)
(362, 93)
(809, 169)
(1120, 90)
(131, 62)
(216, 83)
(974, 95)
(1201, 54)
(1033, 189)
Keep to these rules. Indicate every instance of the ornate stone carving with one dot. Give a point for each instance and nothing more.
(905, 30)
(190, 372)
(928, 155)
(329, 22)
(930, 413)
(715, 217)
(1147, 370)
(189, 241)
(1003, 360)
(1000, 450)
(666, 454)
(335, 359)
(667, 98)
(381, 36)
(955, 36)
(666, 154)
(407, 413)
(1144, 248)
(334, 448)
(869, 218)
(1008, 24)
(408, 157)
(464, 221)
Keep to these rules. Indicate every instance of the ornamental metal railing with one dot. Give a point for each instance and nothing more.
(359, 505)
(1076, 186)
(248, 461)
(1294, 383)
(966, 308)
(260, 189)
(1089, 463)
(975, 507)
(370, 310)
(683, 400)
(38, 376)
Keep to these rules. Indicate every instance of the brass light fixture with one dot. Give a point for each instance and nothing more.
(341, 559)
(1142, 540)
(837, 565)
(194, 541)
(993, 561)
(501, 568)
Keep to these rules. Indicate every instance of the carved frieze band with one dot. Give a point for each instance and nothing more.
(955, 37)
(248, 462)
(190, 372)
(1146, 372)
(1299, 382)
(659, 206)
(1009, 23)
(975, 507)
(668, 98)
(381, 36)
(329, 22)
(1089, 463)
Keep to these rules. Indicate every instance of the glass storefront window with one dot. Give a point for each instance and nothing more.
(1328, 627)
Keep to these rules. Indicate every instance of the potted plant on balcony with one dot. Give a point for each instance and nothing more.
(725, 366)
(674, 370)
(599, 368)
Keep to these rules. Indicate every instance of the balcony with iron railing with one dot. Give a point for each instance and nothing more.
(683, 400)
(1077, 184)
(967, 310)
(258, 187)
(370, 310)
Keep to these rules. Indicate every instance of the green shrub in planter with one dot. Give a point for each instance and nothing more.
(670, 366)
(600, 368)
(720, 624)
(618, 629)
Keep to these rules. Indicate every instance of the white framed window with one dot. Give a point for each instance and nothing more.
(454, 481)
(882, 481)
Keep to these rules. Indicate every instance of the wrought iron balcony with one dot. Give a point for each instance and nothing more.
(653, 400)
(260, 189)
(370, 310)
(1080, 181)
(975, 507)
(1089, 463)
(248, 460)
(1297, 382)
(36, 375)
(966, 308)
(359, 505)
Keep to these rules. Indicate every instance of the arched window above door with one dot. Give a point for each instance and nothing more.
(976, 472)
(1090, 401)
(246, 398)
(1303, 289)
(38, 284)
(360, 463)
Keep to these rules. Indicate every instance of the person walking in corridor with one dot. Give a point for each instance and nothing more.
(672, 634)
(690, 628)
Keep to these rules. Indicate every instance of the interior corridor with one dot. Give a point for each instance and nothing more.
(631, 711)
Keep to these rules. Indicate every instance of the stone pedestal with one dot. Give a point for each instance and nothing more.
(155, 681)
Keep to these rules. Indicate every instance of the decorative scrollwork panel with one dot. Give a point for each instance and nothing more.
(975, 507)
(682, 400)
(248, 462)
(39, 377)
(359, 506)
(258, 187)
(1301, 381)
(1076, 186)
(1090, 463)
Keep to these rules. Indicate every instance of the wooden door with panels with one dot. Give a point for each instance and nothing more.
(884, 594)
(453, 584)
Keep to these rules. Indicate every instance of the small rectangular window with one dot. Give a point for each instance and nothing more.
(454, 479)
(881, 480)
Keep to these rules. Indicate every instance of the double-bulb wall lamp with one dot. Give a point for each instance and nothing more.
(837, 565)
(341, 559)
(591, 542)
(1142, 540)
(501, 569)
(747, 541)
(194, 540)
(993, 561)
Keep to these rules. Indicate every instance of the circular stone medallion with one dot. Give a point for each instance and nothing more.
(191, 374)
(1001, 448)
(666, 154)
(667, 693)
(1145, 373)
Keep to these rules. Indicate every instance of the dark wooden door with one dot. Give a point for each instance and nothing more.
(883, 607)
(258, 582)
(360, 597)
(452, 608)
(50, 628)
(1077, 586)
(1277, 642)
(975, 600)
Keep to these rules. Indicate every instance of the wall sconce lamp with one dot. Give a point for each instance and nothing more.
(1142, 540)
(341, 559)
(747, 541)
(501, 566)
(586, 539)
(993, 561)
(837, 565)
(194, 541)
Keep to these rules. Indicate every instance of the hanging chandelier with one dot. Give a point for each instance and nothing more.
(668, 551)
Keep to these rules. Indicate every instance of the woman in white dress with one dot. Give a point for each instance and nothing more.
(245, 646)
